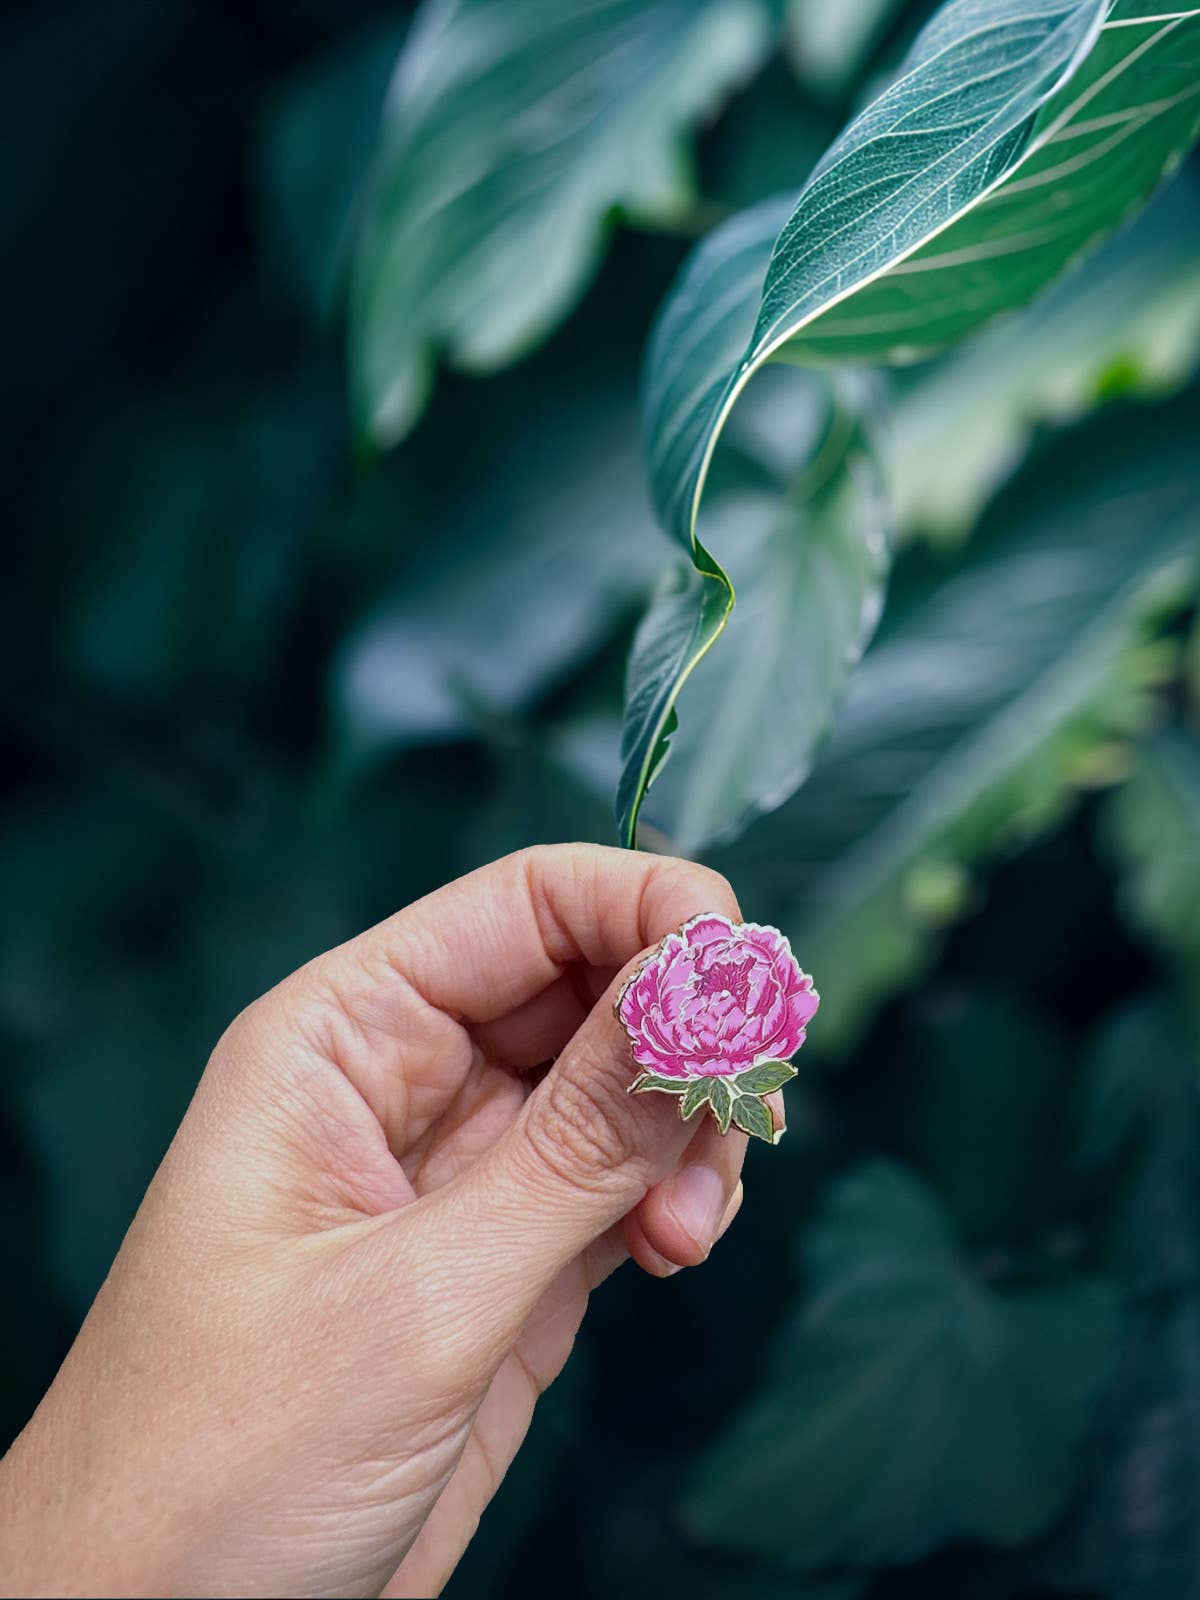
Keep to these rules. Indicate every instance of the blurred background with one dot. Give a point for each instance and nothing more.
(263, 684)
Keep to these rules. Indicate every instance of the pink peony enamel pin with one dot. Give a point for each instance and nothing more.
(713, 1015)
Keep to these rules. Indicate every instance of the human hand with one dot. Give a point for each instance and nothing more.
(369, 1248)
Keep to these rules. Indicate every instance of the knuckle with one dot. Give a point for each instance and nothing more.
(721, 886)
(567, 850)
(553, 860)
(586, 1134)
(240, 1047)
(675, 882)
(713, 885)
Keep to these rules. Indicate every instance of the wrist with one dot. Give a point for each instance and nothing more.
(70, 1526)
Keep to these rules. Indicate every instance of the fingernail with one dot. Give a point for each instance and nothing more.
(698, 1202)
(658, 1266)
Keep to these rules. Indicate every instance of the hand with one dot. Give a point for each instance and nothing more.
(369, 1248)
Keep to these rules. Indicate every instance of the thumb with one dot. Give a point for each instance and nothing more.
(582, 1152)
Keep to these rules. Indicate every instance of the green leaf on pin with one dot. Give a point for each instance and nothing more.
(765, 1078)
(753, 1115)
(721, 1101)
(735, 1100)
(694, 1097)
(648, 1081)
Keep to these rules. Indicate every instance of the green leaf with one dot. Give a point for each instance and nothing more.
(695, 1096)
(906, 1404)
(1127, 324)
(558, 533)
(514, 130)
(688, 613)
(765, 1078)
(983, 708)
(721, 1101)
(977, 110)
(648, 1081)
(753, 1116)
(1153, 828)
(814, 557)
(712, 311)
(1016, 136)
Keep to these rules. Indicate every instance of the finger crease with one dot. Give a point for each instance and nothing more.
(552, 931)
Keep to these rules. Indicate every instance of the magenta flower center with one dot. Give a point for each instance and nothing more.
(727, 979)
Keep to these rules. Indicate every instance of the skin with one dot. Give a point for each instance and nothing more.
(369, 1248)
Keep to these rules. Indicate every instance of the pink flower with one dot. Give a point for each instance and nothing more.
(716, 999)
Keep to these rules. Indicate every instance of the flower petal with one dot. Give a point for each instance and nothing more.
(705, 931)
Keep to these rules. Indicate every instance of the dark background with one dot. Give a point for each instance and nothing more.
(192, 807)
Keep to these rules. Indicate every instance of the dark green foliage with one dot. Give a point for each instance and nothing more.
(262, 686)
(906, 1404)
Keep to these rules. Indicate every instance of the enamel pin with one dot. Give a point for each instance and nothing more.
(714, 1015)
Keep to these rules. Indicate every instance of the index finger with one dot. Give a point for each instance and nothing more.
(491, 941)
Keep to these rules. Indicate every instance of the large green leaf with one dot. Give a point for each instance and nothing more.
(710, 314)
(983, 707)
(753, 713)
(1153, 824)
(1127, 324)
(1018, 133)
(514, 130)
(523, 579)
(906, 1404)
